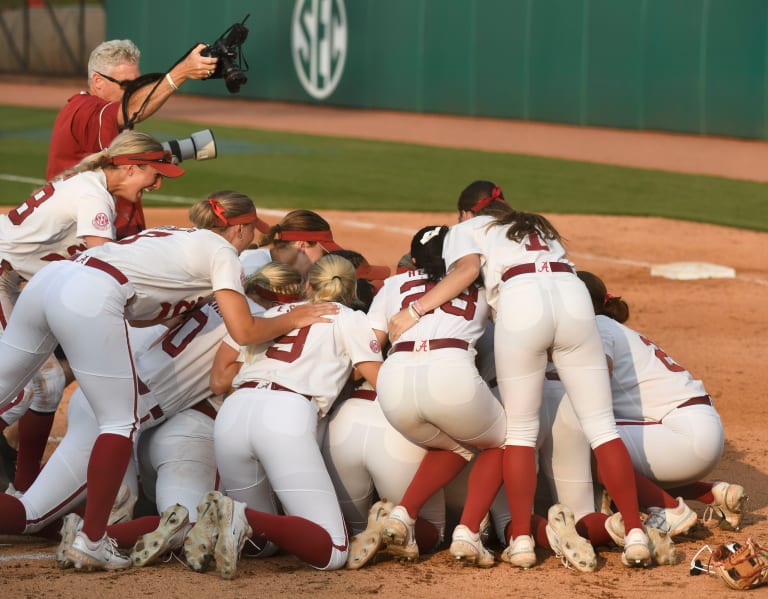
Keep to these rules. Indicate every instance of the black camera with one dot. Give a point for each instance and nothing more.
(227, 50)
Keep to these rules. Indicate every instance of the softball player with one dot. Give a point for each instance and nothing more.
(299, 240)
(430, 391)
(267, 430)
(667, 421)
(83, 304)
(540, 306)
(68, 215)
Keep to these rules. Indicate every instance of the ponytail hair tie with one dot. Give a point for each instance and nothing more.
(608, 296)
(495, 196)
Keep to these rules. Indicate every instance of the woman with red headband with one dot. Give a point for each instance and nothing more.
(73, 212)
(83, 304)
(300, 239)
(540, 307)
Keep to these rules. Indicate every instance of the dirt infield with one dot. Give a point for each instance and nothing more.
(715, 328)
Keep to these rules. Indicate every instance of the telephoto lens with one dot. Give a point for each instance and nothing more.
(199, 146)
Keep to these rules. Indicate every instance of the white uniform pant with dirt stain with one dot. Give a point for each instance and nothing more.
(81, 308)
(264, 437)
(61, 485)
(438, 400)
(177, 462)
(367, 457)
(537, 312)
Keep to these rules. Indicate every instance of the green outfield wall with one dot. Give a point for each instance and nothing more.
(693, 66)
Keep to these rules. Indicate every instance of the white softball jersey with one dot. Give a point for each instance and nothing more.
(253, 260)
(464, 317)
(171, 270)
(52, 223)
(315, 360)
(497, 253)
(646, 383)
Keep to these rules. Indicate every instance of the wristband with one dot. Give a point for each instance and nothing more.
(417, 307)
(413, 313)
(170, 82)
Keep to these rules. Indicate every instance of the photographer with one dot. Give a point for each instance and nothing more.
(92, 119)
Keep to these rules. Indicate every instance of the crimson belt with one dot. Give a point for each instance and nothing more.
(704, 400)
(273, 386)
(364, 394)
(206, 408)
(522, 269)
(429, 344)
(102, 266)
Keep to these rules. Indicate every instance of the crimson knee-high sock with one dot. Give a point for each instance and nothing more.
(13, 516)
(34, 430)
(520, 486)
(107, 465)
(592, 527)
(437, 469)
(614, 466)
(652, 495)
(127, 533)
(698, 491)
(484, 482)
(539, 530)
(301, 537)
(427, 536)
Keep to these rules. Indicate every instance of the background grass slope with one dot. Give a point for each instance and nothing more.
(286, 170)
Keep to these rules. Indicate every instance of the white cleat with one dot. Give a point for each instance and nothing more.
(468, 547)
(520, 552)
(364, 546)
(96, 555)
(200, 541)
(167, 537)
(574, 550)
(398, 531)
(71, 524)
(234, 531)
(673, 521)
(729, 504)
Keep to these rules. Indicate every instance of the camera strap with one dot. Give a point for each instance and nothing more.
(141, 81)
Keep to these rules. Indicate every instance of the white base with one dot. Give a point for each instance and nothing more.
(685, 271)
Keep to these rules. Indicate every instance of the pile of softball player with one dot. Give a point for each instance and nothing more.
(243, 395)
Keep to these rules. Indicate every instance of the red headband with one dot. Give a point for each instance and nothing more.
(324, 238)
(372, 273)
(283, 298)
(161, 160)
(240, 219)
(494, 197)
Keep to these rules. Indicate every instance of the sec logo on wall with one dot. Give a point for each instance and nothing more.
(319, 45)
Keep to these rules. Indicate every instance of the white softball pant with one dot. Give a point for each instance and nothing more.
(535, 313)
(438, 400)
(264, 437)
(81, 308)
(367, 457)
(61, 485)
(177, 462)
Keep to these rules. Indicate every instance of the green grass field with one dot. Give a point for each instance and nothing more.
(284, 170)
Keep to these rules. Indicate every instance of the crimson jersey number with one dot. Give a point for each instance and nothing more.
(668, 362)
(19, 214)
(182, 334)
(463, 305)
(289, 347)
(534, 243)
